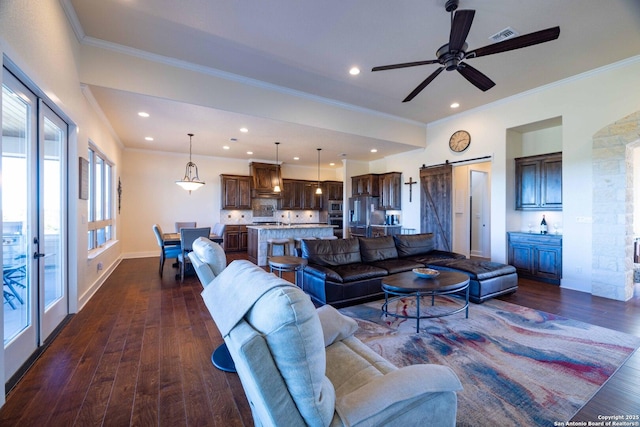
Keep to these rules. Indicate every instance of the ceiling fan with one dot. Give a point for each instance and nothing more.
(452, 56)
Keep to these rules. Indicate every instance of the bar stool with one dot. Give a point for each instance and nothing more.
(288, 263)
(285, 244)
(297, 243)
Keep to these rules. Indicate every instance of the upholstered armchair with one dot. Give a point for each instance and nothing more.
(300, 366)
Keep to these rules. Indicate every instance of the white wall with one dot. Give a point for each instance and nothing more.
(585, 103)
(37, 38)
(150, 195)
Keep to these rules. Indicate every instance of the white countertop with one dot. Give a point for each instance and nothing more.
(287, 226)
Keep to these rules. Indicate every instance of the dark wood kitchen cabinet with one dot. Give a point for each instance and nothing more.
(265, 176)
(368, 184)
(236, 192)
(333, 190)
(299, 195)
(539, 182)
(391, 191)
(235, 238)
(536, 256)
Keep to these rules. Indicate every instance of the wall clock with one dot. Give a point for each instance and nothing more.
(459, 141)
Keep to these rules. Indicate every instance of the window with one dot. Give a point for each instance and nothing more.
(100, 199)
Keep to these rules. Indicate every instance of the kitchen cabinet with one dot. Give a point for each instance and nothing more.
(388, 230)
(265, 176)
(333, 190)
(536, 256)
(390, 186)
(368, 184)
(539, 182)
(299, 195)
(235, 238)
(236, 192)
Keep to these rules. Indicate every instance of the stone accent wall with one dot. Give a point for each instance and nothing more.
(612, 227)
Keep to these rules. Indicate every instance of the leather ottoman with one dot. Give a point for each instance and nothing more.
(486, 279)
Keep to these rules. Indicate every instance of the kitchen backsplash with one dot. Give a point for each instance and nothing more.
(284, 216)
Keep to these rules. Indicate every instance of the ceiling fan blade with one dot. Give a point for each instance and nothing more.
(423, 85)
(525, 40)
(404, 65)
(460, 27)
(475, 77)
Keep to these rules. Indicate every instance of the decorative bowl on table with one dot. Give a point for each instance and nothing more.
(426, 273)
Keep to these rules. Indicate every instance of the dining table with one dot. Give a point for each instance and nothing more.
(171, 239)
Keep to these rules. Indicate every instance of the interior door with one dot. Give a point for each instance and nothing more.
(480, 220)
(34, 141)
(436, 204)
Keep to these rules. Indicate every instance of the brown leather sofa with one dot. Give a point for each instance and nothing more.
(345, 272)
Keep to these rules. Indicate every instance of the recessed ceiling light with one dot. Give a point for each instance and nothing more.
(249, 152)
(148, 138)
(143, 114)
(374, 150)
(332, 164)
(244, 130)
(296, 158)
(354, 71)
(455, 105)
(225, 147)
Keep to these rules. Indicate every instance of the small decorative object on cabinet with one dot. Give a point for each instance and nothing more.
(536, 256)
(539, 182)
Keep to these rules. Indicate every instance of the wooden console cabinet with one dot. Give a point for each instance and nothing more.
(536, 256)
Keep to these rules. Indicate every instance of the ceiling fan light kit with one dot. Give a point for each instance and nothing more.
(453, 55)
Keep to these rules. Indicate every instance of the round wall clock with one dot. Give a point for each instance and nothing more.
(459, 141)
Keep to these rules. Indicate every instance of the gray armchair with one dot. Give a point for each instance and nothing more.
(300, 366)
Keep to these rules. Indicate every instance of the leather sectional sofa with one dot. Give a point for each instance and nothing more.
(345, 272)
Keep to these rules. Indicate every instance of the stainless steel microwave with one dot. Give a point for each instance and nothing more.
(335, 206)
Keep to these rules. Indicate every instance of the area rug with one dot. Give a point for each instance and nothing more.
(518, 366)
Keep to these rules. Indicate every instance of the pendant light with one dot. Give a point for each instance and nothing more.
(319, 190)
(276, 189)
(189, 182)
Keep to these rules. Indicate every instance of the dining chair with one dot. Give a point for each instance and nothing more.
(217, 233)
(181, 225)
(171, 252)
(187, 237)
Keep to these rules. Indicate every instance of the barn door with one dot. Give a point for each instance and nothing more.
(435, 209)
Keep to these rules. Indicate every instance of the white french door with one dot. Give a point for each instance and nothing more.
(34, 146)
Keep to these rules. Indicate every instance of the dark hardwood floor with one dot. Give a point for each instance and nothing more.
(139, 354)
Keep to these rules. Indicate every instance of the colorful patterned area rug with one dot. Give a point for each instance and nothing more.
(518, 366)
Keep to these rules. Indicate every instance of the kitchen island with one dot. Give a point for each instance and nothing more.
(259, 234)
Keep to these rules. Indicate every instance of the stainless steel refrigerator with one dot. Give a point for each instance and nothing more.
(363, 212)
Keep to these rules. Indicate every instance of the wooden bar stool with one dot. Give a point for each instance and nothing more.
(288, 263)
(297, 243)
(285, 244)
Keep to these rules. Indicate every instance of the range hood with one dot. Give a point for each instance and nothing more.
(264, 177)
